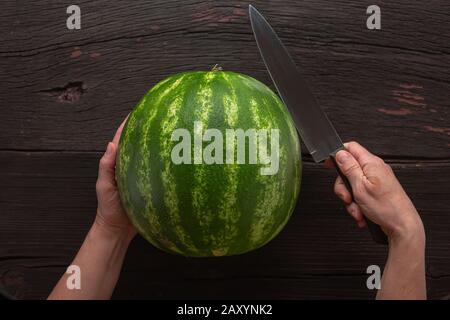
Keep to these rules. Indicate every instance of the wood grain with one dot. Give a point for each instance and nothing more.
(48, 202)
(373, 84)
(63, 93)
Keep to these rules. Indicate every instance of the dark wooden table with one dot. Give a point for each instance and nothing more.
(63, 93)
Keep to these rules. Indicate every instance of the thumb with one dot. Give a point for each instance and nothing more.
(349, 167)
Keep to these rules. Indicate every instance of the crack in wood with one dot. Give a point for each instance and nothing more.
(72, 92)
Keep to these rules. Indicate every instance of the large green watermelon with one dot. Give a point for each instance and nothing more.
(199, 208)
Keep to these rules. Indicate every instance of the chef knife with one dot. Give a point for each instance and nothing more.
(313, 126)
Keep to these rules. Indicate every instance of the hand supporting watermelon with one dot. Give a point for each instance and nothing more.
(378, 196)
(110, 212)
(100, 258)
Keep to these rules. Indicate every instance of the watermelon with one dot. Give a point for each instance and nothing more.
(187, 204)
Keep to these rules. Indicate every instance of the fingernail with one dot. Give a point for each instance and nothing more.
(342, 157)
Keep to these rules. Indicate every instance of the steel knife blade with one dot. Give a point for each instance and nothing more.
(313, 125)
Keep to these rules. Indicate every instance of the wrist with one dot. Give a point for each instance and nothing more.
(101, 228)
(410, 231)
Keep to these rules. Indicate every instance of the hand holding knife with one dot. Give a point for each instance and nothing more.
(313, 126)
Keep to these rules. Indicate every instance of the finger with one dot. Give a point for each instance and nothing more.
(361, 154)
(328, 163)
(119, 131)
(341, 191)
(355, 211)
(107, 164)
(349, 167)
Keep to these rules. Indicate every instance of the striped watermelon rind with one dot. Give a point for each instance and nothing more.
(206, 210)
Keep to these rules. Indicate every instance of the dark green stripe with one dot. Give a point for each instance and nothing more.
(158, 166)
(206, 214)
(248, 187)
(185, 173)
(127, 179)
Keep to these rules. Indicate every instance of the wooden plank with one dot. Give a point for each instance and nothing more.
(48, 202)
(68, 90)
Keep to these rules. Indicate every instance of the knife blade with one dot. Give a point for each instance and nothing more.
(313, 125)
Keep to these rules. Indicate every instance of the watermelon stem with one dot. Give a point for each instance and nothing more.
(216, 68)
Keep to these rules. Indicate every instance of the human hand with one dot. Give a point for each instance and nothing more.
(103, 251)
(110, 212)
(378, 195)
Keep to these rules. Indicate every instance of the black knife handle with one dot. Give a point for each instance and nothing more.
(375, 230)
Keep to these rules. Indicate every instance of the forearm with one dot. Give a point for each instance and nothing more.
(404, 273)
(100, 260)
